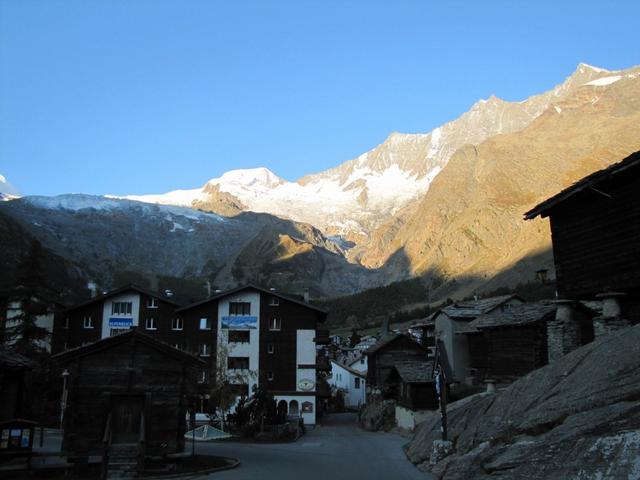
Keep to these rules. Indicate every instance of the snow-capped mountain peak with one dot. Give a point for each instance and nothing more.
(250, 177)
(7, 191)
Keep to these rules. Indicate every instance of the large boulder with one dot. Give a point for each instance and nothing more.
(578, 418)
(379, 415)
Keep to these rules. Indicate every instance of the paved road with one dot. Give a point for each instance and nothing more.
(335, 450)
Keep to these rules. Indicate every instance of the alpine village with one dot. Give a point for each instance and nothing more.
(479, 315)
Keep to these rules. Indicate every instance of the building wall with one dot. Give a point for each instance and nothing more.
(129, 368)
(595, 238)
(346, 381)
(250, 349)
(308, 417)
(108, 317)
(409, 419)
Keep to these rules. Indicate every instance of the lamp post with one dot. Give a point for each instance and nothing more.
(63, 400)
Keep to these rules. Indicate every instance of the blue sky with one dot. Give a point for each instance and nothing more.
(134, 97)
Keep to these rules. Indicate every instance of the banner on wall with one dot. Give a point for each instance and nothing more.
(237, 322)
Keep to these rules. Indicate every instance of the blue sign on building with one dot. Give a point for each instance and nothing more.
(120, 322)
(240, 321)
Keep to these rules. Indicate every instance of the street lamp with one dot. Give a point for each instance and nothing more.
(65, 394)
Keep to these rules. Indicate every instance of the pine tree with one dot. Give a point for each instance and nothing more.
(22, 331)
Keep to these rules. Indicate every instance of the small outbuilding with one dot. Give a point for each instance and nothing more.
(128, 397)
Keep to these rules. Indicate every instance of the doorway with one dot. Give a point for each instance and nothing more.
(126, 414)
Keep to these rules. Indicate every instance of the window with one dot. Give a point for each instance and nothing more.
(362, 361)
(203, 377)
(275, 324)
(121, 308)
(239, 308)
(205, 324)
(117, 331)
(150, 324)
(177, 346)
(239, 336)
(177, 324)
(357, 382)
(238, 363)
(66, 323)
(152, 303)
(88, 322)
(204, 350)
(270, 348)
(270, 376)
(274, 301)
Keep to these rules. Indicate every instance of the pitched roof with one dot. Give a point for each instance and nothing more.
(252, 287)
(134, 333)
(469, 309)
(590, 181)
(350, 370)
(386, 341)
(516, 315)
(14, 361)
(415, 371)
(118, 291)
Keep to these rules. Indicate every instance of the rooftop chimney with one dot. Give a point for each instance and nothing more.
(93, 288)
(306, 295)
(168, 293)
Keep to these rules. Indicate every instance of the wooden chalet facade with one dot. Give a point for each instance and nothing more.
(453, 319)
(383, 360)
(268, 340)
(510, 343)
(264, 338)
(595, 230)
(128, 395)
(116, 312)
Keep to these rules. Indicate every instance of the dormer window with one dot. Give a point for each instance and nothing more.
(152, 303)
(274, 301)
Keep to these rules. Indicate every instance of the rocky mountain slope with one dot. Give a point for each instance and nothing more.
(445, 206)
(468, 227)
(354, 198)
(110, 235)
(578, 418)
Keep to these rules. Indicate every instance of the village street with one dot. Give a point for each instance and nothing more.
(335, 450)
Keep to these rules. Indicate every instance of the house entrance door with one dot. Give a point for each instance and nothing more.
(126, 415)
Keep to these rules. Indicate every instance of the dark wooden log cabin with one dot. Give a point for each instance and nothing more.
(416, 385)
(595, 227)
(509, 344)
(131, 390)
(383, 357)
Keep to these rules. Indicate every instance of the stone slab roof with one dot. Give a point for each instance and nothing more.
(415, 371)
(474, 308)
(514, 316)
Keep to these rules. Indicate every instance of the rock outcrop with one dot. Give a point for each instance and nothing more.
(578, 418)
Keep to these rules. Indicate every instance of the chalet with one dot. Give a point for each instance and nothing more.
(454, 318)
(127, 398)
(351, 381)
(510, 343)
(382, 359)
(116, 312)
(595, 231)
(264, 339)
